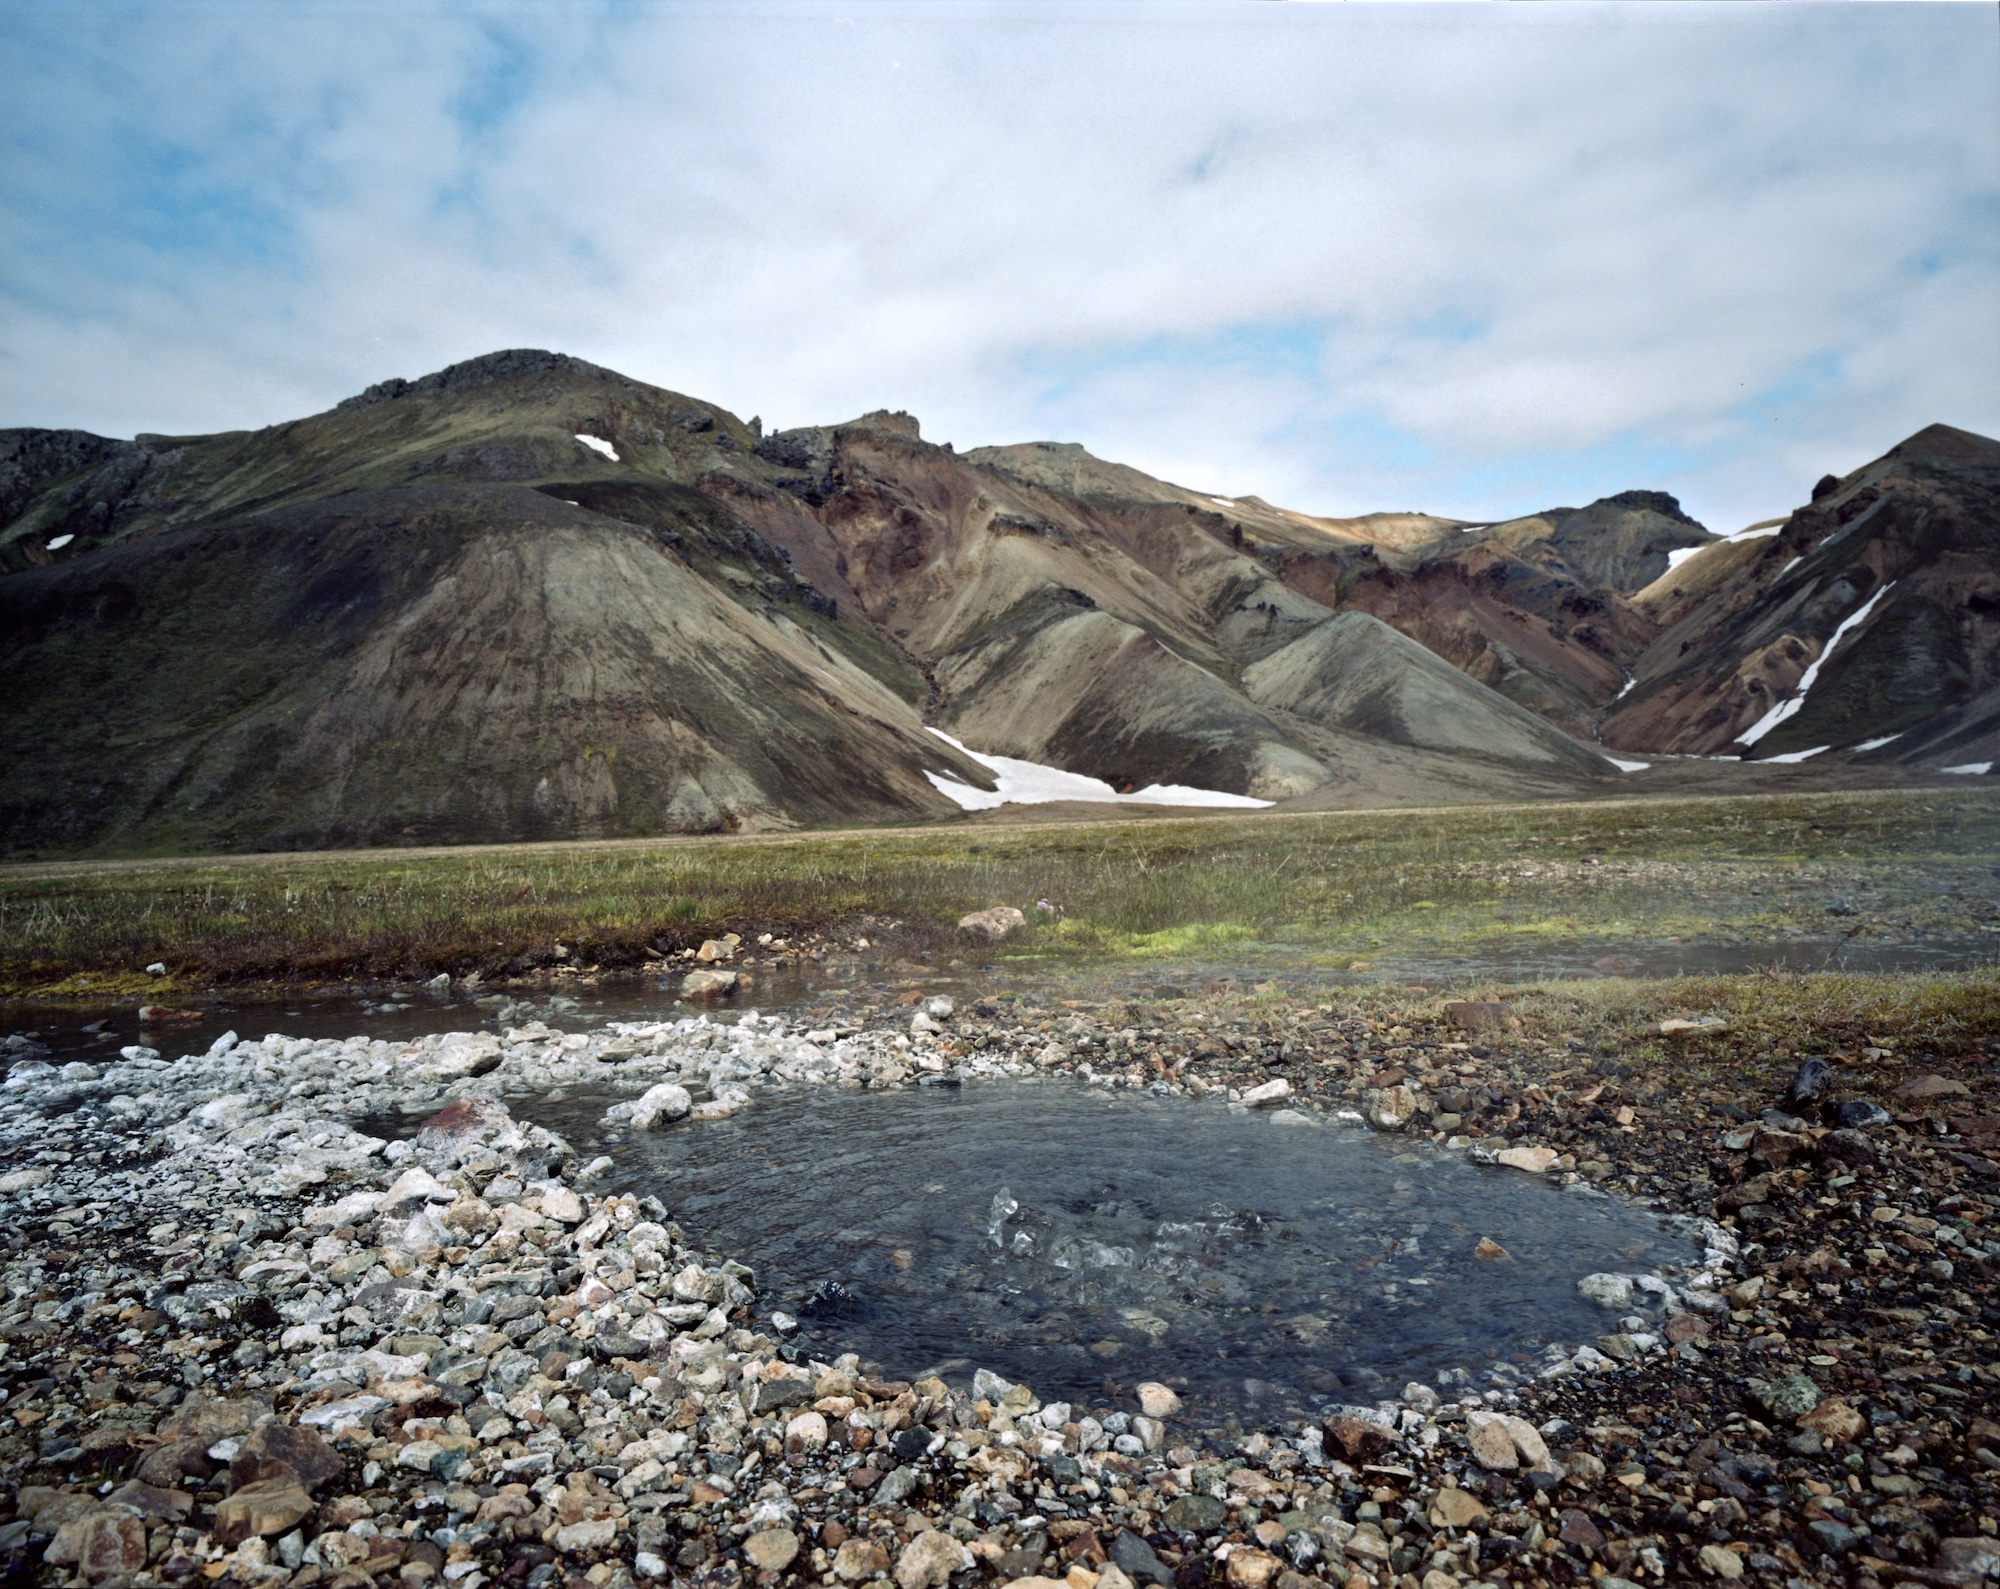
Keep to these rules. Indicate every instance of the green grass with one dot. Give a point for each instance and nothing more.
(1317, 887)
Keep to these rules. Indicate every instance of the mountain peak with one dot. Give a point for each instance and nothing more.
(489, 369)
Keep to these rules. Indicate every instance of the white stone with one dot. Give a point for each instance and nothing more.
(659, 1105)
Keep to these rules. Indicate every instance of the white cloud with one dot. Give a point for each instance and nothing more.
(1473, 260)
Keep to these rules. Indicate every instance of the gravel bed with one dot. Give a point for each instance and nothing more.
(243, 1343)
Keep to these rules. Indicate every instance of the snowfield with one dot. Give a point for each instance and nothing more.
(1029, 783)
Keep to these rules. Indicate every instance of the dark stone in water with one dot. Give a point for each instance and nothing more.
(831, 1300)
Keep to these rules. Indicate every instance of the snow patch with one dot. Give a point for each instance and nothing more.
(1794, 563)
(1029, 783)
(1629, 766)
(1756, 532)
(1630, 680)
(1797, 755)
(1972, 769)
(598, 444)
(60, 542)
(1875, 744)
(1223, 502)
(1790, 708)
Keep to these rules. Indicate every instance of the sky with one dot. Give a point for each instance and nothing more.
(1469, 260)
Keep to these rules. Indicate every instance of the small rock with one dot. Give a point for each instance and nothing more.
(805, 1432)
(1699, 1026)
(1271, 1092)
(1834, 1420)
(1855, 1114)
(1389, 1108)
(1579, 1530)
(1808, 1083)
(929, 1560)
(1251, 1569)
(1490, 1250)
(1157, 1400)
(659, 1105)
(1357, 1438)
(771, 1549)
(707, 984)
(101, 1544)
(1482, 1016)
(1194, 1514)
(1137, 1559)
(269, 1506)
(595, 1534)
(1454, 1508)
(281, 1451)
(1534, 1160)
(1721, 1562)
(1837, 1538)
(1793, 1396)
(858, 1559)
(994, 924)
(1491, 1445)
(1933, 1086)
(1977, 1554)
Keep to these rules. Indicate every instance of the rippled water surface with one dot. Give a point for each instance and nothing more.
(1082, 1242)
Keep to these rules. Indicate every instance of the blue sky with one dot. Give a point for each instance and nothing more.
(1468, 259)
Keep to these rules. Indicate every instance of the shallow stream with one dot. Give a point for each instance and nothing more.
(1082, 1242)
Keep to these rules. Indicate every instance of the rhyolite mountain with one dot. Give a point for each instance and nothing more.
(1899, 562)
(527, 597)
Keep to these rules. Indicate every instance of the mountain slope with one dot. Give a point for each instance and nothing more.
(1538, 608)
(1872, 612)
(435, 664)
(528, 597)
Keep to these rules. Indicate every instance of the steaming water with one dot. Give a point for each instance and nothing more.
(1082, 1242)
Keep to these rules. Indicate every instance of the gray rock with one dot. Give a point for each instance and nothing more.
(1194, 1514)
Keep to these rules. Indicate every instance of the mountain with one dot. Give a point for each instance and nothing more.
(1866, 623)
(526, 597)
(1537, 607)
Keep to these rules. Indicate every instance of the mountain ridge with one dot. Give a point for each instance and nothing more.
(527, 596)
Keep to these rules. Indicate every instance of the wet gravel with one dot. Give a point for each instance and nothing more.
(249, 1344)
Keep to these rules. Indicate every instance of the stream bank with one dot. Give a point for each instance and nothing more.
(1828, 1423)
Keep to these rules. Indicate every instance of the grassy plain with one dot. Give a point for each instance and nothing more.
(1323, 887)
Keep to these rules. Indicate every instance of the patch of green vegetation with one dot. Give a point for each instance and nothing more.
(1149, 889)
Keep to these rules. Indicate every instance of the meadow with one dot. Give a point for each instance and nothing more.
(1323, 889)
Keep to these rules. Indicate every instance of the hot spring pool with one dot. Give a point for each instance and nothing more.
(1082, 1241)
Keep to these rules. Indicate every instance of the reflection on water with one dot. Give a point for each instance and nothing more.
(82, 1031)
(1082, 1243)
